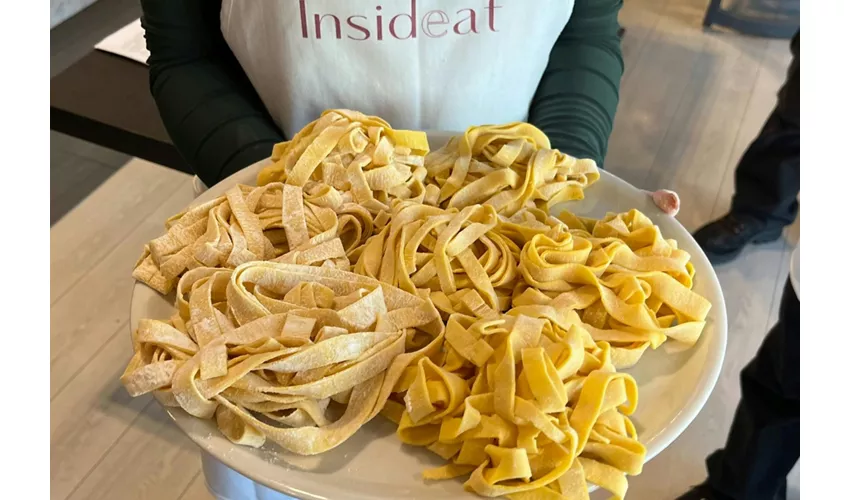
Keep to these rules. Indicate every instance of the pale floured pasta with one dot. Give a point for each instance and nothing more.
(272, 222)
(358, 155)
(506, 166)
(488, 329)
(265, 347)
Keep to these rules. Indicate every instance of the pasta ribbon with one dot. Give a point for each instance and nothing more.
(248, 224)
(275, 342)
(543, 399)
(354, 154)
(446, 252)
(508, 167)
(632, 291)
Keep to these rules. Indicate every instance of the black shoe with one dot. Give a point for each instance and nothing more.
(723, 239)
(704, 492)
(700, 492)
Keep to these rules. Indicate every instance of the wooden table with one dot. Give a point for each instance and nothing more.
(105, 99)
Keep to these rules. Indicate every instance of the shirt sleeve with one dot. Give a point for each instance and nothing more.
(211, 111)
(578, 94)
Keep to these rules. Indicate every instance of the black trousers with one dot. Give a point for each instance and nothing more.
(764, 442)
(767, 178)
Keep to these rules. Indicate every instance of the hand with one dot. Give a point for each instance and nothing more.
(666, 200)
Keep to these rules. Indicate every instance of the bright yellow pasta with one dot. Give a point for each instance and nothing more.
(519, 421)
(632, 290)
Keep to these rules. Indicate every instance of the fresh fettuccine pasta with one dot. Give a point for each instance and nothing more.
(328, 191)
(540, 313)
(274, 222)
(458, 258)
(358, 155)
(508, 167)
(265, 347)
(628, 285)
(489, 330)
(526, 407)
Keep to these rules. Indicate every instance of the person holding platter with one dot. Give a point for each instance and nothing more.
(232, 78)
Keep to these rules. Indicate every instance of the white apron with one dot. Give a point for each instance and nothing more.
(419, 64)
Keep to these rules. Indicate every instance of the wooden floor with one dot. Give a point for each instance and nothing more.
(76, 167)
(691, 102)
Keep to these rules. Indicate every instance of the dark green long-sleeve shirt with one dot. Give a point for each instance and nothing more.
(219, 124)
